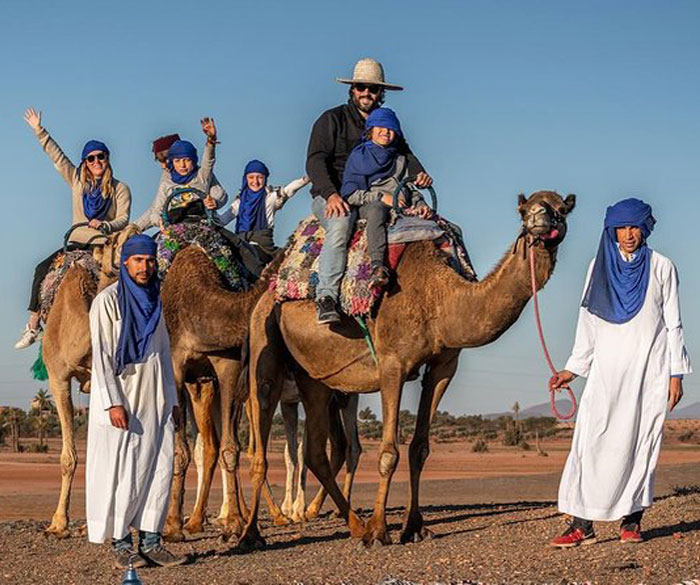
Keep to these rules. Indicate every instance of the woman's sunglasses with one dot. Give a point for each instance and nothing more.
(371, 87)
(92, 157)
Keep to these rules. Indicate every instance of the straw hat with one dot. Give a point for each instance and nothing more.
(371, 72)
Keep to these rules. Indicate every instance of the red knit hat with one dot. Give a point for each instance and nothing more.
(164, 142)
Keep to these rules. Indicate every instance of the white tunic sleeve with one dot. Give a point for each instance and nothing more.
(581, 357)
(104, 347)
(231, 213)
(680, 362)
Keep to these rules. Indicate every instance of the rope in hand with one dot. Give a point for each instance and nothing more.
(538, 321)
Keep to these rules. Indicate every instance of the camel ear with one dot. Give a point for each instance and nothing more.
(570, 202)
(522, 200)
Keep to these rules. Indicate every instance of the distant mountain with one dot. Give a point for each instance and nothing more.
(692, 411)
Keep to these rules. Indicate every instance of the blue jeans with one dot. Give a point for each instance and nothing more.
(334, 252)
(147, 541)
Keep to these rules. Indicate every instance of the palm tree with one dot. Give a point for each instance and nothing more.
(42, 411)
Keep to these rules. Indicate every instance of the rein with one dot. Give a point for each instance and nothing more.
(538, 321)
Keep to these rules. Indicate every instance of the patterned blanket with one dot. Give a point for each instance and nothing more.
(59, 268)
(177, 237)
(297, 276)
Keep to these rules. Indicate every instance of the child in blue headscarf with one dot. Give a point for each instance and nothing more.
(183, 171)
(255, 206)
(372, 173)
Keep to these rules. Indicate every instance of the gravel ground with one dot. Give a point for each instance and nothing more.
(474, 543)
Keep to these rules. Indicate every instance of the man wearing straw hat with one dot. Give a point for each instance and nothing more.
(629, 345)
(336, 132)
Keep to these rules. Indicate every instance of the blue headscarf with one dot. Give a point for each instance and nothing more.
(368, 162)
(252, 213)
(95, 206)
(139, 306)
(617, 289)
(182, 149)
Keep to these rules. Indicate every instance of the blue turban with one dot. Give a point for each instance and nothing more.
(92, 146)
(182, 149)
(139, 306)
(369, 162)
(95, 206)
(617, 289)
(384, 118)
(252, 213)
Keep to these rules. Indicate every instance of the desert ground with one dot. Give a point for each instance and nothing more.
(492, 515)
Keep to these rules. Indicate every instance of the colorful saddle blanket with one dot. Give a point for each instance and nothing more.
(59, 267)
(297, 276)
(177, 237)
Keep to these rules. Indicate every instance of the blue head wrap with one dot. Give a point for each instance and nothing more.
(252, 213)
(182, 149)
(617, 289)
(139, 306)
(369, 162)
(95, 206)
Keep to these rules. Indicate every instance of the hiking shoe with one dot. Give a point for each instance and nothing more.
(631, 534)
(29, 336)
(574, 537)
(326, 311)
(122, 558)
(379, 277)
(162, 557)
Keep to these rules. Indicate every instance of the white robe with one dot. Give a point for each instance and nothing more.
(610, 470)
(128, 473)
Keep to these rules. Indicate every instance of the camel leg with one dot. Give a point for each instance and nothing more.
(352, 437)
(290, 416)
(316, 396)
(227, 371)
(299, 506)
(202, 395)
(435, 381)
(338, 450)
(391, 384)
(60, 389)
(172, 530)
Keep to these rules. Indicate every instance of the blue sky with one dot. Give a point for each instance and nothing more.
(594, 98)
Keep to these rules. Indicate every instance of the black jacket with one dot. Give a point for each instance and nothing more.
(333, 136)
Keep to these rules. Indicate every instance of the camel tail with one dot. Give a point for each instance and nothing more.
(38, 368)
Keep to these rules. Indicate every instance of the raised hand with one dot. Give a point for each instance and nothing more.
(33, 118)
(209, 128)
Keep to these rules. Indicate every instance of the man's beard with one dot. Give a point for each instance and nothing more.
(366, 108)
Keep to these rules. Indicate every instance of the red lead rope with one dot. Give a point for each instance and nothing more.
(552, 402)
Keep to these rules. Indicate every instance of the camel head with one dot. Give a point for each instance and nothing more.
(544, 216)
(107, 255)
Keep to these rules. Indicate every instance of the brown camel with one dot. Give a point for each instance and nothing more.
(427, 316)
(67, 353)
(208, 327)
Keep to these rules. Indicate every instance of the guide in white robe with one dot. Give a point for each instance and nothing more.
(128, 473)
(610, 470)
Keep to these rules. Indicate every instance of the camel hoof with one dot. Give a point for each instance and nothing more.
(281, 521)
(251, 542)
(57, 532)
(174, 536)
(311, 514)
(377, 544)
(193, 528)
(416, 535)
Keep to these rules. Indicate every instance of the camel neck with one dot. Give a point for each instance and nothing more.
(478, 313)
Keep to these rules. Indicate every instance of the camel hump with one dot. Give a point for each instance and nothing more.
(297, 276)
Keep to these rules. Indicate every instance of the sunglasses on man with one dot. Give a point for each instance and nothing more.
(371, 87)
(92, 157)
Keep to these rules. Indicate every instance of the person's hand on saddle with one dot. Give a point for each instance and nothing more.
(423, 211)
(33, 118)
(209, 202)
(336, 206)
(209, 128)
(423, 180)
(560, 380)
(388, 200)
(95, 224)
(119, 417)
(675, 392)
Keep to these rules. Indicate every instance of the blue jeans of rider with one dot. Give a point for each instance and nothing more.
(334, 252)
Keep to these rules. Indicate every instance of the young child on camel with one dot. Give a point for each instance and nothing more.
(373, 171)
(183, 172)
(255, 206)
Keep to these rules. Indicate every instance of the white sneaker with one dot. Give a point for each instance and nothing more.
(29, 336)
